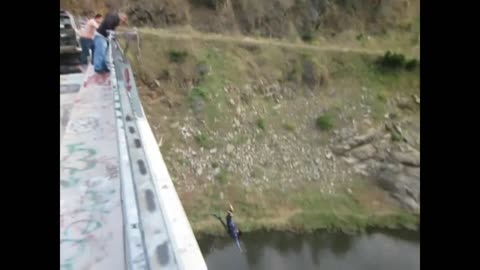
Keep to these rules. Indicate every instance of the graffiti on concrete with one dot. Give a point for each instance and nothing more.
(84, 125)
(81, 234)
(90, 209)
(111, 166)
(79, 158)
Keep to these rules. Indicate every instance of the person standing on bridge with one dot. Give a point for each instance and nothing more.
(110, 23)
(86, 38)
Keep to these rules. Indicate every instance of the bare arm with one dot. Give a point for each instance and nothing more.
(221, 220)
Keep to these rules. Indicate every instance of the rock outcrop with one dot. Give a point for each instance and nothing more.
(394, 165)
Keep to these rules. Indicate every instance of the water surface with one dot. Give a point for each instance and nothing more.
(398, 250)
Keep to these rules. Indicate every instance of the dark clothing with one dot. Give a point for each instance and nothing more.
(229, 218)
(87, 45)
(109, 23)
(231, 228)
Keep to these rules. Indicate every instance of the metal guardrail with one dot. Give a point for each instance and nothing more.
(156, 229)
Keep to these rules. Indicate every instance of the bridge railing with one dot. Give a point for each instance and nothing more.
(157, 232)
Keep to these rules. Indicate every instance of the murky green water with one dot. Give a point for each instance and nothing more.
(274, 250)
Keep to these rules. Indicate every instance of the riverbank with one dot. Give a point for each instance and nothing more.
(296, 137)
(362, 208)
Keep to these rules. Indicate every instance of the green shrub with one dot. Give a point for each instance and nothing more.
(177, 56)
(261, 123)
(411, 64)
(199, 92)
(324, 122)
(203, 140)
(307, 36)
(392, 60)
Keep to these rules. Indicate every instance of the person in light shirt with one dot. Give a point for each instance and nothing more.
(86, 38)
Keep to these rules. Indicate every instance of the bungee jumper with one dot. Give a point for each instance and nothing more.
(230, 226)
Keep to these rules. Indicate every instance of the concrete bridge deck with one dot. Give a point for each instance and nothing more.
(119, 208)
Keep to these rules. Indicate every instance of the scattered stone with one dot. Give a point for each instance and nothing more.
(411, 204)
(364, 152)
(404, 103)
(175, 125)
(354, 142)
(230, 148)
(213, 151)
(199, 171)
(391, 116)
(328, 155)
(417, 99)
(232, 102)
(411, 158)
(349, 160)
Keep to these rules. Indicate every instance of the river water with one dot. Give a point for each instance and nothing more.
(392, 250)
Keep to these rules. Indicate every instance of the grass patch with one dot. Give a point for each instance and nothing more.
(289, 127)
(203, 140)
(177, 56)
(324, 122)
(222, 176)
(396, 137)
(381, 96)
(240, 139)
(199, 92)
(261, 123)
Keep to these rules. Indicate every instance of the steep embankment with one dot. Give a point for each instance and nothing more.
(296, 136)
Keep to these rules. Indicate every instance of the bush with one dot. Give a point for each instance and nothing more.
(411, 64)
(396, 61)
(177, 56)
(261, 123)
(199, 92)
(324, 122)
(307, 36)
(392, 60)
(211, 4)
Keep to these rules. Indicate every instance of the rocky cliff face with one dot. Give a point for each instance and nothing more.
(394, 165)
(276, 18)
